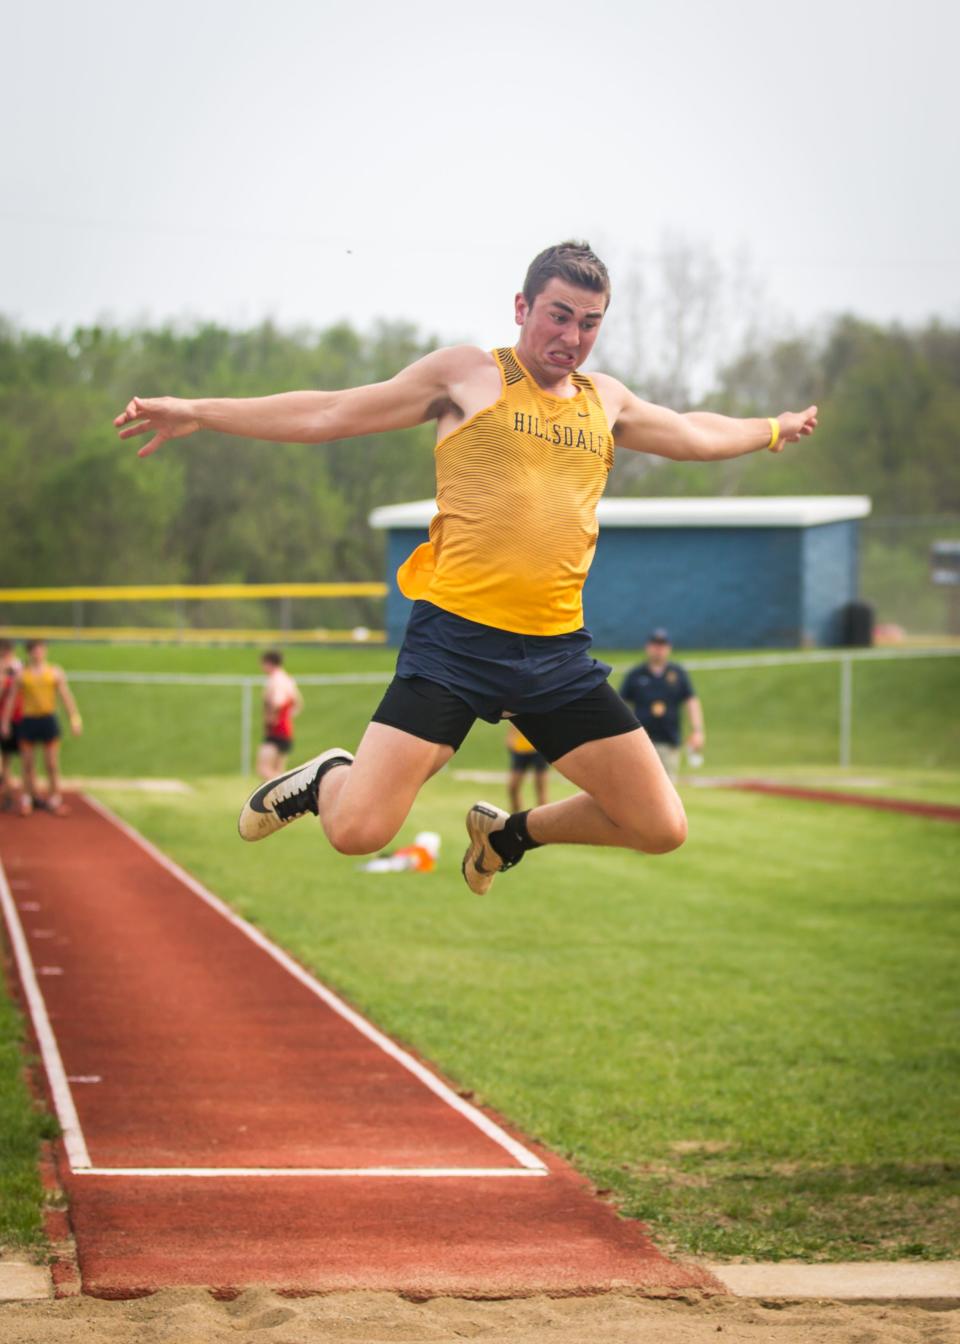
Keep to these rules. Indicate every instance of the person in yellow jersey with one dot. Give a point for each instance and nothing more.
(39, 683)
(525, 757)
(525, 442)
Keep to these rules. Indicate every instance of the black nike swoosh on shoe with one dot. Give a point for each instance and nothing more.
(584, 415)
(253, 801)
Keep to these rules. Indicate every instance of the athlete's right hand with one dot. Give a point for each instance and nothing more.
(163, 417)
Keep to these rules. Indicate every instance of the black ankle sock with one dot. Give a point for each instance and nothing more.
(325, 770)
(331, 765)
(514, 840)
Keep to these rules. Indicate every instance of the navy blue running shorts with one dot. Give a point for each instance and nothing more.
(522, 761)
(43, 728)
(451, 671)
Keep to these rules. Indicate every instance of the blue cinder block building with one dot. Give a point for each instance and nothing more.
(718, 573)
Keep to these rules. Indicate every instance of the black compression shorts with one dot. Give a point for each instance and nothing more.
(427, 710)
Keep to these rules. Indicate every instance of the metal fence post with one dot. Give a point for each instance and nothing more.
(846, 708)
(246, 728)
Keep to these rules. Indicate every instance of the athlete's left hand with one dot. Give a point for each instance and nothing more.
(76, 724)
(795, 425)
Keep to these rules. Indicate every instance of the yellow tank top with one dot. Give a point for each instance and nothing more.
(39, 692)
(516, 522)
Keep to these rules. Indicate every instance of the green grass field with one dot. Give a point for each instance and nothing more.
(751, 1043)
(757, 719)
(22, 1126)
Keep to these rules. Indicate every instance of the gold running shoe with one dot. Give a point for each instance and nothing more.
(481, 863)
(286, 797)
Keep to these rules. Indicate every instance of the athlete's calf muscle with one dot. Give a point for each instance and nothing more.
(363, 808)
(628, 800)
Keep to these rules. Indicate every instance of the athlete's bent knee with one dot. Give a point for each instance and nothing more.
(671, 833)
(663, 834)
(667, 840)
(358, 836)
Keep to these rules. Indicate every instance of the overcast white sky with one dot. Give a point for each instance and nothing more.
(311, 161)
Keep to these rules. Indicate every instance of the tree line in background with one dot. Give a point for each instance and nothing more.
(78, 507)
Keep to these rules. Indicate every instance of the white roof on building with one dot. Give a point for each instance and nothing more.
(748, 511)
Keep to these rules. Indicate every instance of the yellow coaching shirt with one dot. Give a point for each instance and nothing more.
(516, 523)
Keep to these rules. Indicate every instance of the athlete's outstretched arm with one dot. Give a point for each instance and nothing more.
(416, 394)
(697, 436)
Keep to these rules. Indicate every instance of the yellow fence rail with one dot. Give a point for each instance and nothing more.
(209, 592)
(182, 632)
(158, 634)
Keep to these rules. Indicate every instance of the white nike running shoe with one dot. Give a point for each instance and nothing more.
(286, 797)
(481, 863)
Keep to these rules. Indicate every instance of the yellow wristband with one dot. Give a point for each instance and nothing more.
(774, 432)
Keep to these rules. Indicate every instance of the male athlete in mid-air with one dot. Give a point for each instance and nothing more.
(524, 446)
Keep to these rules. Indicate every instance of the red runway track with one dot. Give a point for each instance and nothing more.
(230, 1122)
(844, 798)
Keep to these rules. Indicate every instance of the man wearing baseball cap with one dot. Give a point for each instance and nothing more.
(658, 690)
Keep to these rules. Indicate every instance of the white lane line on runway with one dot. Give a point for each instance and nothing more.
(418, 1173)
(73, 1139)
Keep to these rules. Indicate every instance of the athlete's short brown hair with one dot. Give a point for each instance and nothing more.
(272, 656)
(575, 262)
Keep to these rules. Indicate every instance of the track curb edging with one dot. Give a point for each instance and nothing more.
(934, 1283)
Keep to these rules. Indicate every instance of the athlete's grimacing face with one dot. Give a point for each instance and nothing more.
(558, 330)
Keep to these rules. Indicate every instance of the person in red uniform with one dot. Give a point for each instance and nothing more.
(281, 702)
(10, 667)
